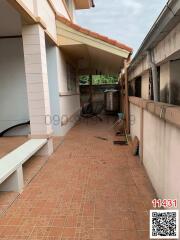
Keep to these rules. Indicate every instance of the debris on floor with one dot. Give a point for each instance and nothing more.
(122, 138)
(135, 146)
(120, 142)
(101, 138)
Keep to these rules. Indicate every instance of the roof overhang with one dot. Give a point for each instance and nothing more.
(83, 4)
(91, 52)
(166, 21)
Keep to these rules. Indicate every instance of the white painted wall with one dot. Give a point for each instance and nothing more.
(52, 55)
(160, 153)
(29, 4)
(154, 154)
(135, 123)
(42, 9)
(161, 156)
(69, 105)
(62, 74)
(140, 68)
(13, 92)
(45, 12)
(59, 5)
(70, 108)
(168, 46)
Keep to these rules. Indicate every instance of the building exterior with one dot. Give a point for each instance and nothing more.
(43, 52)
(162, 44)
(154, 87)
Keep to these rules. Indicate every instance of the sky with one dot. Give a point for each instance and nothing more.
(127, 21)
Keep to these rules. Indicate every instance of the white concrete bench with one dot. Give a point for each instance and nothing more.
(11, 173)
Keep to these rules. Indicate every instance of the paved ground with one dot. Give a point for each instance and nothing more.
(7, 144)
(30, 168)
(88, 190)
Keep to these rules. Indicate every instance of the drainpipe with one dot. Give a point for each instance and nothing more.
(154, 75)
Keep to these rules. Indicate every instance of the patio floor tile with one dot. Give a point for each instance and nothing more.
(89, 189)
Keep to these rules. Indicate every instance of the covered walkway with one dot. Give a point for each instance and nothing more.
(89, 189)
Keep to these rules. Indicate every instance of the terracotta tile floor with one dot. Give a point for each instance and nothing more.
(7, 144)
(89, 189)
(30, 168)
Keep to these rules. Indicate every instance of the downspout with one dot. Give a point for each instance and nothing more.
(154, 75)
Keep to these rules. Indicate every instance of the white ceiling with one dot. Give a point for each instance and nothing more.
(10, 20)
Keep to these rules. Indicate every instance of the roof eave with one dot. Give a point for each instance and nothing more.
(158, 30)
(105, 39)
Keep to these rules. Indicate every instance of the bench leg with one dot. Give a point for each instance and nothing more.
(47, 150)
(14, 183)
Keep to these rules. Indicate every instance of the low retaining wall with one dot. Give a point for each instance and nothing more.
(157, 125)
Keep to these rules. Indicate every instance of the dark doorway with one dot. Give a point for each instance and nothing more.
(138, 82)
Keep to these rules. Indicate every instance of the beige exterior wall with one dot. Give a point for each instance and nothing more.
(69, 103)
(43, 9)
(36, 78)
(135, 121)
(160, 152)
(161, 156)
(29, 4)
(45, 12)
(145, 86)
(139, 69)
(43, 5)
(166, 55)
(70, 111)
(168, 46)
(37, 84)
(59, 5)
(36, 70)
(62, 72)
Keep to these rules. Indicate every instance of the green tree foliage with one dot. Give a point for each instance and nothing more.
(84, 80)
(99, 79)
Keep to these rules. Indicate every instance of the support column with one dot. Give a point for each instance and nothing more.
(91, 89)
(154, 75)
(37, 82)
